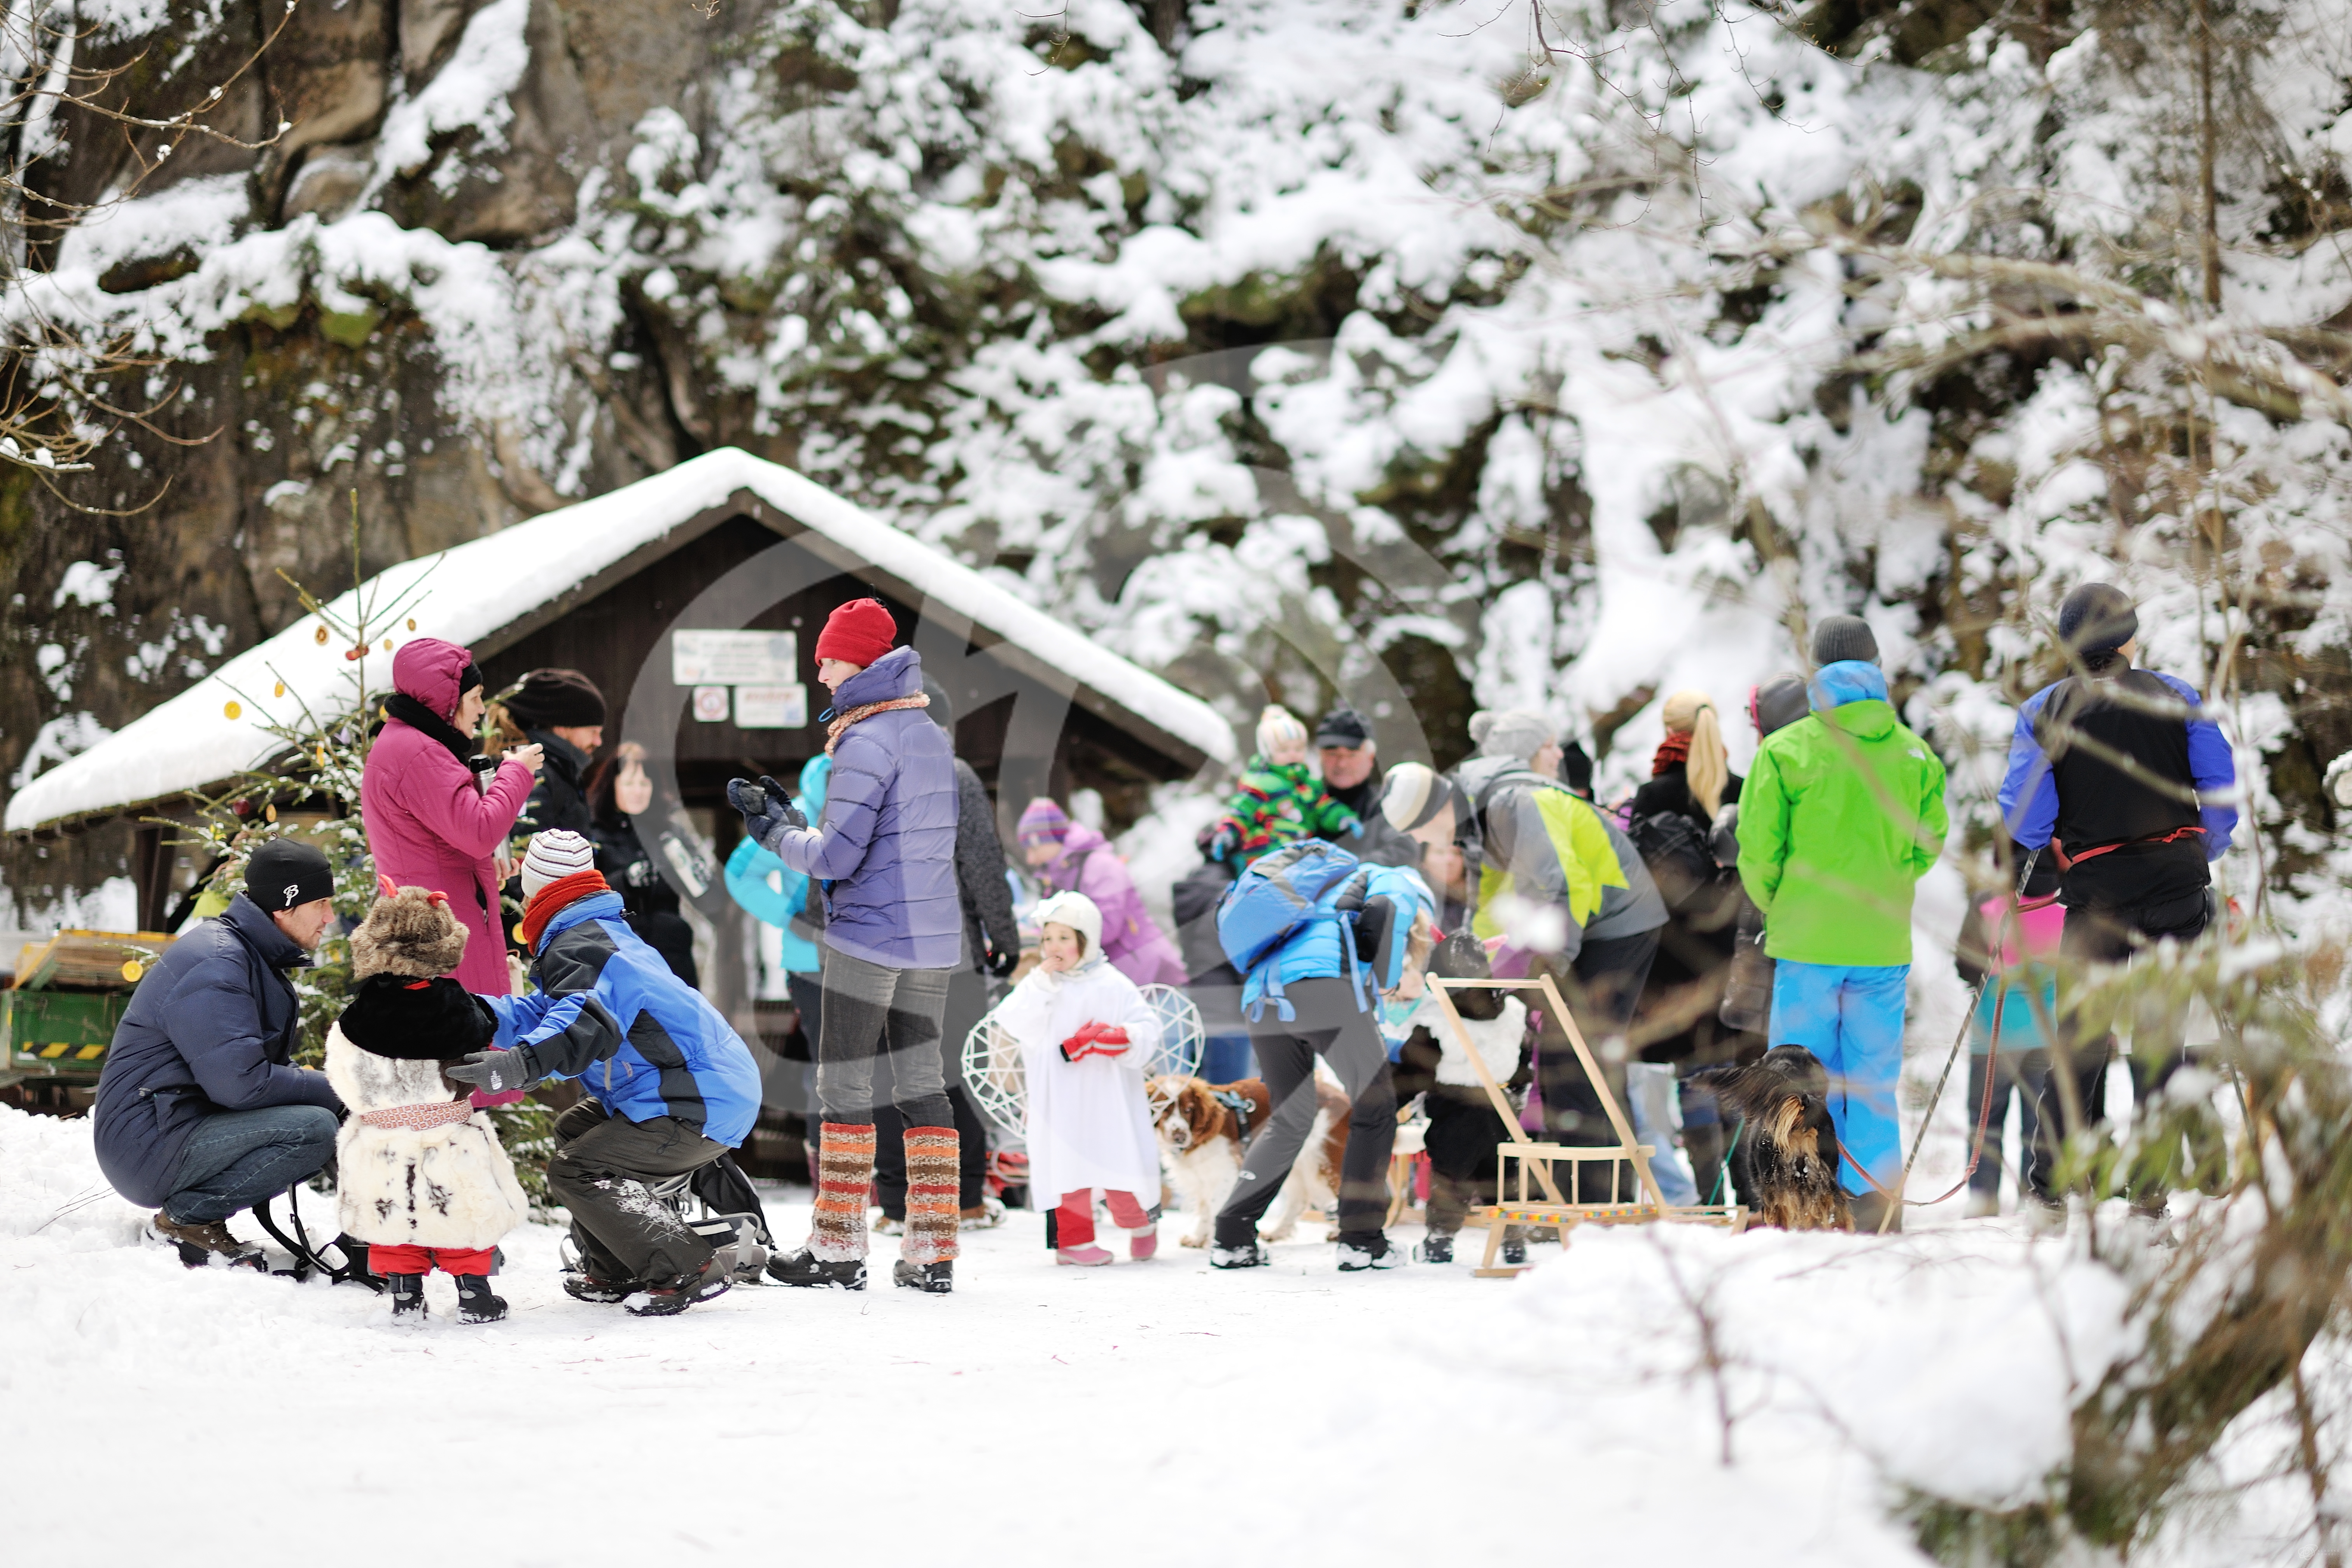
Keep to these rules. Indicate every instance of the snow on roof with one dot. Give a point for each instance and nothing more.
(470, 593)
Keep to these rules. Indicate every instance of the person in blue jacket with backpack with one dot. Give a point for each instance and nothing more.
(1319, 937)
(671, 1087)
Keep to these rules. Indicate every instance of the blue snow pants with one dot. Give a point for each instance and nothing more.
(1852, 1017)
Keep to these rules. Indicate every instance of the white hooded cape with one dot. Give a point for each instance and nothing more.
(1090, 1123)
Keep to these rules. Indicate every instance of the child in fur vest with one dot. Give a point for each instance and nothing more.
(1464, 1130)
(421, 1177)
(1085, 1033)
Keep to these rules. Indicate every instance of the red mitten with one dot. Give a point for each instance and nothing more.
(1081, 1044)
(1110, 1040)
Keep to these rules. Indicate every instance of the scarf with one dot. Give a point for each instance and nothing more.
(832, 731)
(400, 705)
(554, 898)
(1671, 750)
(420, 1117)
(1049, 983)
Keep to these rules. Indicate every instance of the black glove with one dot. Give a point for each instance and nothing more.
(494, 1072)
(1224, 840)
(1001, 963)
(767, 808)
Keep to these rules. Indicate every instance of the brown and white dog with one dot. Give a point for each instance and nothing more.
(1201, 1138)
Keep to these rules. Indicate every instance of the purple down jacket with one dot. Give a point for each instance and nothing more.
(884, 848)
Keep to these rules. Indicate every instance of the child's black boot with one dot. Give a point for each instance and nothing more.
(407, 1299)
(475, 1302)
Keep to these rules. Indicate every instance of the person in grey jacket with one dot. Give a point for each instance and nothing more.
(200, 1109)
(992, 946)
(885, 855)
(1546, 849)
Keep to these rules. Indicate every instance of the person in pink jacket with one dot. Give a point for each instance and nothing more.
(1071, 858)
(436, 815)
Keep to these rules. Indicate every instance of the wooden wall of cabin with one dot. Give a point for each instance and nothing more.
(610, 638)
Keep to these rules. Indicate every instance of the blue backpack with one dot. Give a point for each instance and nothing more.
(1276, 898)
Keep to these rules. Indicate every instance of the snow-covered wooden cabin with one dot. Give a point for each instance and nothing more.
(693, 599)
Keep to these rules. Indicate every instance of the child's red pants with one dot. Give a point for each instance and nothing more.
(1074, 1221)
(421, 1259)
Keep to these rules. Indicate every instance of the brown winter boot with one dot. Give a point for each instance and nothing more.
(199, 1244)
(835, 1254)
(926, 1257)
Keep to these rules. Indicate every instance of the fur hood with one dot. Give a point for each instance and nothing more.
(410, 931)
(1499, 1041)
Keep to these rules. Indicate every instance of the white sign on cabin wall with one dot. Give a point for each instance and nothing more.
(734, 658)
(772, 707)
(751, 674)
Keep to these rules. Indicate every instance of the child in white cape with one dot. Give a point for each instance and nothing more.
(1085, 1033)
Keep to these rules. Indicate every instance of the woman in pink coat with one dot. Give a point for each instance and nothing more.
(433, 820)
(1071, 858)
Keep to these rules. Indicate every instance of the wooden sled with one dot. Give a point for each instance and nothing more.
(1522, 1155)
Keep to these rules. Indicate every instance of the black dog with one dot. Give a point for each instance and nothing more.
(1786, 1161)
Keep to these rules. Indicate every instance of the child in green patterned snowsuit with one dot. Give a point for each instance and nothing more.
(1280, 800)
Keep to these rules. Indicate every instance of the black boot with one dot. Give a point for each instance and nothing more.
(1515, 1245)
(407, 1297)
(1434, 1249)
(667, 1301)
(582, 1286)
(930, 1279)
(806, 1268)
(475, 1302)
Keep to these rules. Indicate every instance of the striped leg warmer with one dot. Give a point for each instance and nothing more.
(844, 1169)
(933, 1216)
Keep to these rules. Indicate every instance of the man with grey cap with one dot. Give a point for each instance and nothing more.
(1567, 884)
(2119, 776)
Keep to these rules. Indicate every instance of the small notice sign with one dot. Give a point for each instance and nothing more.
(710, 704)
(771, 707)
(733, 659)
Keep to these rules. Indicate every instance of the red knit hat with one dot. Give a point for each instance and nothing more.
(860, 631)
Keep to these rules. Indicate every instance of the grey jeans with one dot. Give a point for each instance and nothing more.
(1349, 1043)
(880, 1022)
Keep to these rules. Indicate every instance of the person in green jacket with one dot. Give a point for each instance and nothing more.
(1280, 800)
(1841, 814)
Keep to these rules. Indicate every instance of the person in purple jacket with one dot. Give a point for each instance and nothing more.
(884, 854)
(2119, 777)
(1071, 858)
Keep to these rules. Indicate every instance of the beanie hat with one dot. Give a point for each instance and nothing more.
(1077, 911)
(554, 854)
(1414, 794)
(1515, 733)
(1042, 822)
(408, 931)
(2097, 617)
(284, 872)
(1343, 726)
(859, 632)
(557, 700)
(1279, 730)
(1840, 637)
(1780, 702)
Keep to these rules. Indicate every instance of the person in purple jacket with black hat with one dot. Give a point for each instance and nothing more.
(884, 855)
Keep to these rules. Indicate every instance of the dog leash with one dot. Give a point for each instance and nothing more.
(1968, 1016)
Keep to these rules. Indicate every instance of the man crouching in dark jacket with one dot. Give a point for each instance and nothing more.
(199, 1109)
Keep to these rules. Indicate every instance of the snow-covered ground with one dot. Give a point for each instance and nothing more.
(1154, 1413)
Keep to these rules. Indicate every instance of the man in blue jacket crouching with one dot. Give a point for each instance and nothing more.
(672, 1087)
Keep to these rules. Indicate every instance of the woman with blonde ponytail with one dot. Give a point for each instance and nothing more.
(1690, 780)
(1691, 771)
